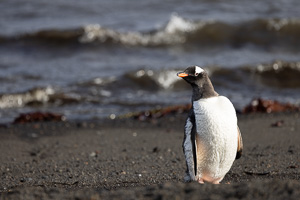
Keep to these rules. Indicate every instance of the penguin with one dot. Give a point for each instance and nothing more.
(212, 139)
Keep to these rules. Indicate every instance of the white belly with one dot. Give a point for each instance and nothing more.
(216, 138)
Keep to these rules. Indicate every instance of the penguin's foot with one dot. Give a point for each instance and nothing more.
(216, 182)
(200, 180)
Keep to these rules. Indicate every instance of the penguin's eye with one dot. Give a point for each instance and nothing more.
(196, 74)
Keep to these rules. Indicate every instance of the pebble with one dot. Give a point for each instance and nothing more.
(22, 180)
(93, 154)
(112, 116)
(34, 135)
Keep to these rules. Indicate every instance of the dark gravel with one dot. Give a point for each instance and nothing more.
(128, 159)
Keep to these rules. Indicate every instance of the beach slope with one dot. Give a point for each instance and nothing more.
(129, 159)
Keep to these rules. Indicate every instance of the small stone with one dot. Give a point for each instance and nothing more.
(93, 154)
(278, 123)
(112, 116)
(155, 149)
(99, 133)
(34, 135)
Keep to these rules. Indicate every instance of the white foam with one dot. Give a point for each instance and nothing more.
(167, 79)
(277, 25)
(172, 33)
(177, 23)
(20, 99)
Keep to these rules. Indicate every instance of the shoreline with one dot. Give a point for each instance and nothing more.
(126, 158)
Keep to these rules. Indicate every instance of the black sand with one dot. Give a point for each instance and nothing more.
(128, 159)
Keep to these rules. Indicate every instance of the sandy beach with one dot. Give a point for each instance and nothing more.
(129, 159)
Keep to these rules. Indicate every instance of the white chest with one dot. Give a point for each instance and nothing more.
(215, 116)
(216, 139)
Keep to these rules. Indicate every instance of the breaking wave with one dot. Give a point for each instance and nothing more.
(41, 95)
(178, 31)
(278, 74)
(37, 96)
(163, 79)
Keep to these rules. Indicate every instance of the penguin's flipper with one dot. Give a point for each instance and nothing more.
(189, 146)
(240, 144)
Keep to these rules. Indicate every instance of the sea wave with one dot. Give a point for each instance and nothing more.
(163, 79)
(178, 31)
(98, 90)
(40, 95)
(278, 74)
(37, 96)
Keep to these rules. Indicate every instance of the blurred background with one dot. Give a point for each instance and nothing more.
(91, 59)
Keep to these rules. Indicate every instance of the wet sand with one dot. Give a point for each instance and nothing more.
(129, 159)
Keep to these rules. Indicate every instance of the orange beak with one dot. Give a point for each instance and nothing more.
(182, 74)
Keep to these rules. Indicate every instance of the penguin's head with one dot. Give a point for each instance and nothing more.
(193, 75)
(200, 82)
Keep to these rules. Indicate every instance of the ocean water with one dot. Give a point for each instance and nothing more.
(91, 59)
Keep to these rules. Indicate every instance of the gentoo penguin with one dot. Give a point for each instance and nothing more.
(212, 139)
